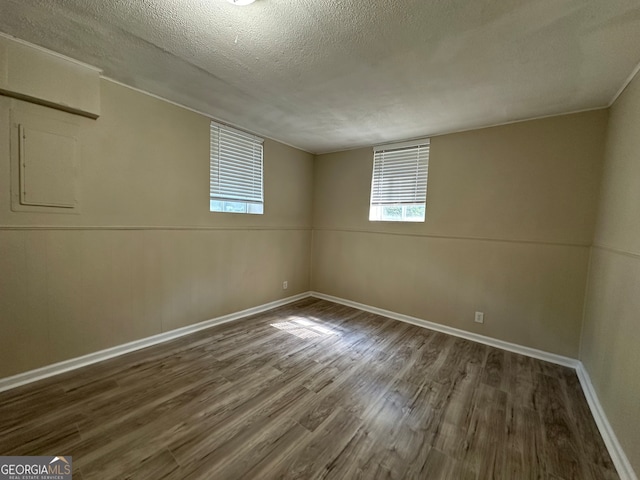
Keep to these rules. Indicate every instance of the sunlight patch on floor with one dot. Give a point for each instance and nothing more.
(304, 328)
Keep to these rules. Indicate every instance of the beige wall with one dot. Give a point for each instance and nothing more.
(145, 255)
(510, 218)
(611, 331)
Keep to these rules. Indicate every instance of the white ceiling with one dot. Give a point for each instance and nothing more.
(326, 75)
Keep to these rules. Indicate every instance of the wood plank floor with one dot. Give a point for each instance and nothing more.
(312, 390)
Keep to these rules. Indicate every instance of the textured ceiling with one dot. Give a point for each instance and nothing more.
(327, 75)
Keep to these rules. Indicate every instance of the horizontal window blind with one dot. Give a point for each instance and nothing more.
(235, 172)
(400, 174)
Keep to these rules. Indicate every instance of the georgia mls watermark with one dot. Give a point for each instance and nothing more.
(35, 468)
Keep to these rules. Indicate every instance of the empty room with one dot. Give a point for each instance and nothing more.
(278, 239)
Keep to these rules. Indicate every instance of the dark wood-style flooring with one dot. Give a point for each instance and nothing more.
(312, 390)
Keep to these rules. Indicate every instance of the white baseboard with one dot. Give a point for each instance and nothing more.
(620, 460)
(74, 363)
(493, 342)
(618, 456)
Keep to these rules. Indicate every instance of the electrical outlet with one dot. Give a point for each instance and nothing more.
(479, 317)
(285, 285)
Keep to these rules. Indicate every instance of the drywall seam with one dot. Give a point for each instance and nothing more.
(455, 237)
(620, 460)
(617, 251)
(474, 337)
(585, 299)
(311, 260)
(75, 363)
(146, 227)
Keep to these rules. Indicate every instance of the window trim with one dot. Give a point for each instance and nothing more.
(241, 172)
(400, 170)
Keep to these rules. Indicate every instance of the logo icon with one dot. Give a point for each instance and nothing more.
(36, 468)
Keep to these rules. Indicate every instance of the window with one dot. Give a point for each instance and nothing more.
(235, 171)
(399, 185)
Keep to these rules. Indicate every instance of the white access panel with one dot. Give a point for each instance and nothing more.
(46, 160)
(48, 168)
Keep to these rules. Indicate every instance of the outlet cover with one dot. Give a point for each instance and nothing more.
(479, 317)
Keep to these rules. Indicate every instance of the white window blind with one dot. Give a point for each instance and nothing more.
(235, 173)
(399, 183)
